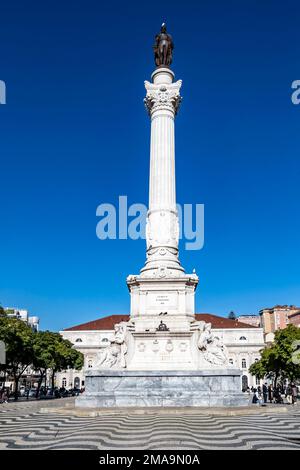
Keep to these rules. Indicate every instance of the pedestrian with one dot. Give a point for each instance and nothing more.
(288, 394)
(265, 392)
(4, 396)
(277, 395)
(255, 397)
(294, 393)
(270, 393)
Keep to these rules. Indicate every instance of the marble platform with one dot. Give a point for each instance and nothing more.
(207, 388)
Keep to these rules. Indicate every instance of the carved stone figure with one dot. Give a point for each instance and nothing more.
(114, 354)
(163, 48)
(214, 351)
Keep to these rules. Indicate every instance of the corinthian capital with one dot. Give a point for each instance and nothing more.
(163, 96)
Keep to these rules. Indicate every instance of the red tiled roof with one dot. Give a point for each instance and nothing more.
(107, 323)
(221, 322)
(295, 314)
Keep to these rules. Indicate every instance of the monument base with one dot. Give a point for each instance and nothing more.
(207, 388)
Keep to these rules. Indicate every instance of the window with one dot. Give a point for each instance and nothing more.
(231, 361)
(256, 360)
(244, 364)
(64, 382)
(243, 338)
(90, 364)
(257, 380)
(105, 340)
(78, 340)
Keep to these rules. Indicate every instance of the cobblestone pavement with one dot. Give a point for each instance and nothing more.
(27, 425)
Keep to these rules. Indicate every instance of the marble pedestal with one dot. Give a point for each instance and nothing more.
(207, 388)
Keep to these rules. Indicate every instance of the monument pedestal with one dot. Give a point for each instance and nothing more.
(207, 388)
(153, 296)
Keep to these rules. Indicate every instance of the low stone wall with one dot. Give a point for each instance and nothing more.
(162, 388)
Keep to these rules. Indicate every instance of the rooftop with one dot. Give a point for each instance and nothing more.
(107, 323)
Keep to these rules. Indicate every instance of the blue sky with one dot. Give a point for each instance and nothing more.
(74, 134)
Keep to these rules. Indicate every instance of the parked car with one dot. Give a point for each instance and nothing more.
(63, 392)
(74, 392)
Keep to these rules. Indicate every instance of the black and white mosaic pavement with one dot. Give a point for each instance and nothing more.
(26, 425)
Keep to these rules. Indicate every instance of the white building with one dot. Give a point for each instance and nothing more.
(22, 314)
(253, 320)
(243, 342)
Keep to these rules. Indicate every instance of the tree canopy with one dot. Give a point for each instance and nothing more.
(42, 350)
(281, 358)
(52, 351)
(18, 339)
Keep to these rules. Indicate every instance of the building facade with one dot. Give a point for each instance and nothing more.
(294, 318)
(22, 314)
(278, 318)
(253, 320)
(243, 342)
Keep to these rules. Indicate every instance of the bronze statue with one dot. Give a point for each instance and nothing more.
(163, 48)
(162, 327)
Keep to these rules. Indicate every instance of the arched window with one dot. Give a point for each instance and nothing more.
(64, 382)
(78, 340)
(244, 364)
(243, 338)
(244, 382)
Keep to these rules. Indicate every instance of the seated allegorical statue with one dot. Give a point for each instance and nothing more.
(114, 354)
(214, 351)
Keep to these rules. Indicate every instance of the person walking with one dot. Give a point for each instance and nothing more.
(265, 392)
(4, 396)
(270, 393)
(288, 394)
(255, 397)
(277, 395)
(294, 393)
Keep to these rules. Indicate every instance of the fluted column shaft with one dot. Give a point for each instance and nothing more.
(162, 162)
(162, 102)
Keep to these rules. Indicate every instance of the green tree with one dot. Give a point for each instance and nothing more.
(44, 354)
(65, 356)
(232, 315)
(278, 359)
(52, 351)
(18, 339)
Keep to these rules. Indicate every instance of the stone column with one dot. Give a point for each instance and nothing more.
(162, 230)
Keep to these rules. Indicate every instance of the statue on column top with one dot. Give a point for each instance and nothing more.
(163, 48)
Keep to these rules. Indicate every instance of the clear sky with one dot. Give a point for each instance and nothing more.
(74, 133)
